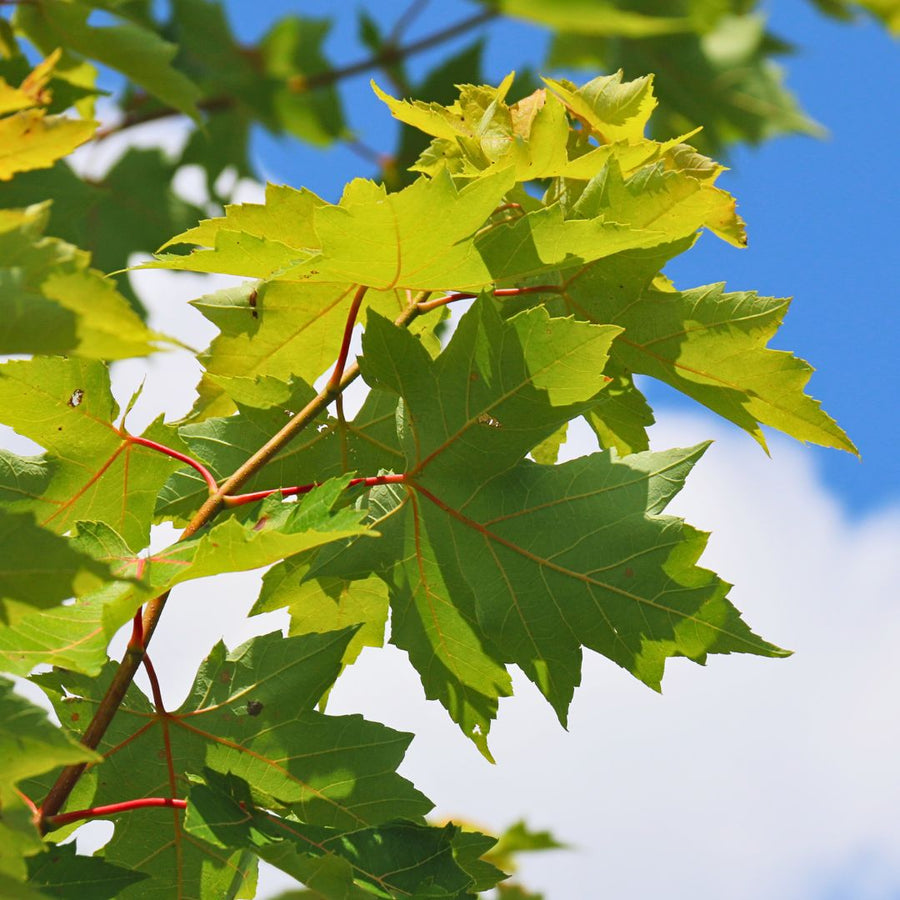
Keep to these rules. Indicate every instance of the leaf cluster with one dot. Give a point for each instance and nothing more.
(438, 516)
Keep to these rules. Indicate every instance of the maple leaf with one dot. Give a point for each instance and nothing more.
(249, 712)
(95, 471)
(707, 343)
(30, 745)
(502, 568)
(398, 859)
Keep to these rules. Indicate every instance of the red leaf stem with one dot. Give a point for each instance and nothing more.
(161, 448)
(136, 641)
(452, 297)
(370, 481)
(114, 808)
(154, 685)
(338, 372)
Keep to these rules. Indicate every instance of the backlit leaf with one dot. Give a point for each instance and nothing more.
(96, 472)
(30, 139)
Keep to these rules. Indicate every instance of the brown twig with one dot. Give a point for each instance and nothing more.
(387, 56)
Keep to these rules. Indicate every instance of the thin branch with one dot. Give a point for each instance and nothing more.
(107, 708)
(342, 431)
(385, 57)
(407, 17)
(114, 808)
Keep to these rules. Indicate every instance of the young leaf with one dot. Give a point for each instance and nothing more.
(707, 343)
(30, 139)
(613, 111)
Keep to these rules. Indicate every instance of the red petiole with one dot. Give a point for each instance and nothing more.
(371, 481)
(337, 374)
(114, 808)
(452, 297)
(162, 448)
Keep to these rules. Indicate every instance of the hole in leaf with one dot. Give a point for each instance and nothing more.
(76, 398)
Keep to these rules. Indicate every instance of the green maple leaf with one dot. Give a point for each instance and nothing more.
(394, 860)
(249, 712)
(487, 572)
(326, 604)
(707, 343)
(63, 874)
(95, 471)
(517, 382)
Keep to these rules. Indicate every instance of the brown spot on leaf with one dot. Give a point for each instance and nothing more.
(629, 572)
(487, 419)
(252, 301)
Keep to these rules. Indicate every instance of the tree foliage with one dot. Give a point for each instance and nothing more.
(547, 208)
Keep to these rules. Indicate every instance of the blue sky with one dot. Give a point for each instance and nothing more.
(820, 213)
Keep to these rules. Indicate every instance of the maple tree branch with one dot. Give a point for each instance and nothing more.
(112, 809)
(406, 18)
(134, 653)
(106, 710)
(388, 55)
